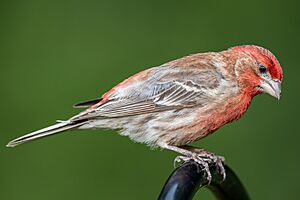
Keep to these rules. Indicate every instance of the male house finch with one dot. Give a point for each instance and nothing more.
(184, 100)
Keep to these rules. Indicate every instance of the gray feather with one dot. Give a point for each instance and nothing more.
(56, 128)
(159, 93)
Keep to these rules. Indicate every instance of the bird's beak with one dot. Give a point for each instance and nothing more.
(271, 87)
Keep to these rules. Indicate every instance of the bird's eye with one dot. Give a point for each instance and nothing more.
(262, 69)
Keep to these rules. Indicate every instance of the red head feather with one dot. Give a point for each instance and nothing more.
(265, 57)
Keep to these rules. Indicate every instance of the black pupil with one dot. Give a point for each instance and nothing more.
(262, 69)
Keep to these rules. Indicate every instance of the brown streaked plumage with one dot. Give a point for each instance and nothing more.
(179, 102)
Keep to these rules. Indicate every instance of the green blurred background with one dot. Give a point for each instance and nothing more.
(57, 53)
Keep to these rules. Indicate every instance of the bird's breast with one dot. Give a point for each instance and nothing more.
(209, 120)
(230, 110)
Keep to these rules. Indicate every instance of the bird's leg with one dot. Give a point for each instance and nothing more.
(201, 156)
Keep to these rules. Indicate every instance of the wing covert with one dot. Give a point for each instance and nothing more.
(159, 93)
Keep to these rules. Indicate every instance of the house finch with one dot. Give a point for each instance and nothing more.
(179, 102)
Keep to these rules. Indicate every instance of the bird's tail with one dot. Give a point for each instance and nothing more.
(56, 128)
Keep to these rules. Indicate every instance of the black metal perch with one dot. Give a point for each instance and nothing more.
(185, 181)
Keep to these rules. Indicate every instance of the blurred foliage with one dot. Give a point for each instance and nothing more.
(56, 53)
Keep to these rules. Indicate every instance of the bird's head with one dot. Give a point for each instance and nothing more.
(266, 72)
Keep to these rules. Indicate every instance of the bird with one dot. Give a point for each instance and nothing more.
(174, 104)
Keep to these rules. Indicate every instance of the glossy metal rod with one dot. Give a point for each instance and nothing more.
(185, 181)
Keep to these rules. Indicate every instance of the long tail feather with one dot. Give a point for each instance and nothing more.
(56, 128)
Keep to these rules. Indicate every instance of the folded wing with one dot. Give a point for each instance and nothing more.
(157, 94)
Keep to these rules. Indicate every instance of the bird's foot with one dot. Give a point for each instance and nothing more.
(216, 160)
(205, 159)
(199, 160)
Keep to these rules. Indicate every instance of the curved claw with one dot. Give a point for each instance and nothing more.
(222, 171)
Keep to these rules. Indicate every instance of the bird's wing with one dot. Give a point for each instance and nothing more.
(165, 91)
(88, 103)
